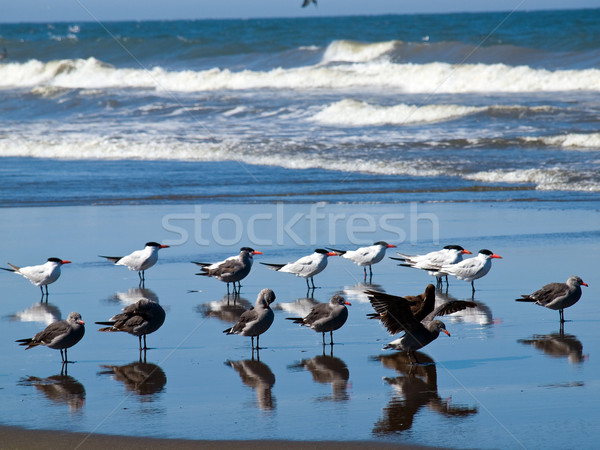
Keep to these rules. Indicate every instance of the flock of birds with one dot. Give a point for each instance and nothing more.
(412, 315)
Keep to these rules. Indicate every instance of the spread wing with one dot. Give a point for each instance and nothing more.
(449, 308)
(394, 312)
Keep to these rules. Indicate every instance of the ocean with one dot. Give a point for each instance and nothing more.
(457, 107)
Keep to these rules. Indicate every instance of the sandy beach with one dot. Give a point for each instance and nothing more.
(496, 382)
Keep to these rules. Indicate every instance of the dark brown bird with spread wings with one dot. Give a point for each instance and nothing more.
(389, 308)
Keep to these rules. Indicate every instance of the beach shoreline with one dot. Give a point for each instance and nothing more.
(14, 437)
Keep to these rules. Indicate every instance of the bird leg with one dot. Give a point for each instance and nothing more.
(330, 337)
(473, 286)
(414, 357)
(561, 315)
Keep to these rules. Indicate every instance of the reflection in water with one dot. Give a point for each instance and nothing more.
(145, 379)
(60, 389)
(356, 293)
(558, 345)
(328, 370)
(300, 307)
(228, 309)
(46, 313)
(133, 295)
(481, 314)
(259, 377)
(416, 388)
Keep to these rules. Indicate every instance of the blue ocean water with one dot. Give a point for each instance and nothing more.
(494, 106)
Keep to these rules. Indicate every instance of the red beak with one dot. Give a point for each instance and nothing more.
(446, 331)
(584, 284)
(496, 256)
(466, 252)
(390, 246)
(164, 246)
(256, 252)
(65, 262)
(332, 254)
(348, 303)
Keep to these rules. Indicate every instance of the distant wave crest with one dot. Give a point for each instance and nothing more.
(353, 51)
(357, 113)
(553, 178)
(411, 78)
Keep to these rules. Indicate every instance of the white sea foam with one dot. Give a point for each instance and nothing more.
(85, 146)
(352, 51)
(88, 147)
(415, 78)
(357, 113)
(573, 141)
(552, 178)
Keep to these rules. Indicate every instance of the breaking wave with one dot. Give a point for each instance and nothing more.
(436, 77)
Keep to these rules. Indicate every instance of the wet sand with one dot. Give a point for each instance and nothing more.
(497, 382)
(18, 438)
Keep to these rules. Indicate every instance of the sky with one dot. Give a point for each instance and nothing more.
(111, 10)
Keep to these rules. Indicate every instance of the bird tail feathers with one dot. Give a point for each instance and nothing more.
(339, 252)
(114, 259)
(525, 298)
(299, 320)
(273, 266)
(12, 269)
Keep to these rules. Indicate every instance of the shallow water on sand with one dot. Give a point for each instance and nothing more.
(506, 378)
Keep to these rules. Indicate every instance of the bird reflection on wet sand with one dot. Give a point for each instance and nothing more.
(60, 389)
(416, 388)
(301, 307)
(133, 295)
(259, 377)
(145, 379)
(327, 369)
(45, 313)
(558, 345)
(480, 314)
(228, 309)
(358, 292)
